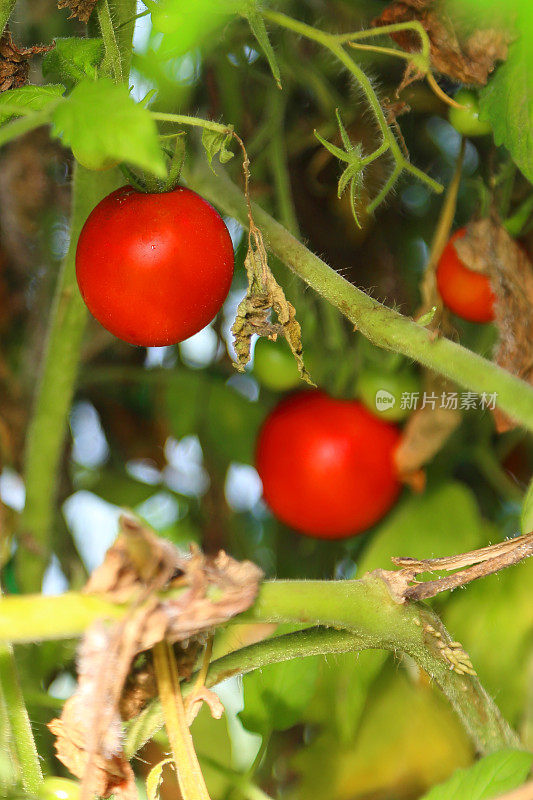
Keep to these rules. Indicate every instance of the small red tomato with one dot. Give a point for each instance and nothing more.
(154, 269)
(327, 465)
(465, 292)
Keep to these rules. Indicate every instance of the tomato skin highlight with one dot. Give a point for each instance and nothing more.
(465, 292)
(327, 465)
(154, 269)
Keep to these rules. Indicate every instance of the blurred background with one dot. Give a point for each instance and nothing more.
(170, 432)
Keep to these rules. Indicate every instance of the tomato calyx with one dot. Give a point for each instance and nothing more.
(144, 181)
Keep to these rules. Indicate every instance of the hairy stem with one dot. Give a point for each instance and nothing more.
(383, 326)
(46, 433)
(113, 61)
(362, 608)
(22, 737)
(47, 429)
(6, 7)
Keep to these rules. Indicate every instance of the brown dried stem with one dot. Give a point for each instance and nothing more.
(478, 563)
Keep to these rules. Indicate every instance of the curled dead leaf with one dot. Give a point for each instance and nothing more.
(82, 9)
(201, 593)
(468, 57)
(264, 296)
(15, 61)
(488, 248)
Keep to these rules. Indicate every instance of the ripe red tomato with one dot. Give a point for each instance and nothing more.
(327, 465)
(154, 269)
(465, 292)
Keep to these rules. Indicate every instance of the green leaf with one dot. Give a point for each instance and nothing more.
(426, 318)
(494, 644)
(507, 103)
(276, 696)
(155, 776)
(527, 511)
(257, 25)
(215, 142)
(102, 125)
(73, 59)
(488, 778)
(17, 102)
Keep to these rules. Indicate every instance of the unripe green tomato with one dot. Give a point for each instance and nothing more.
(466, 120)
(275, 366)
(93, 161)
(59, 789)
(381, 392)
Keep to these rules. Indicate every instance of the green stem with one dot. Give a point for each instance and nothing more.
(196, 122)
(47, 429)
(383, 326)
(396, 27)
(112, 52)
(22, 736)
(190, 778)
(335, 45)
(279, 165)
(6, 7)
(358, 613)
(55, 390)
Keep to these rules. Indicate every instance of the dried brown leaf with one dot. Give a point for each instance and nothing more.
(425, 433)
(468, 58)
(263, 297)
(487, 247)
(82, 9)
(15, 61)
(208, 592)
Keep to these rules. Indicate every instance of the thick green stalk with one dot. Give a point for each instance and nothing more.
(22, 740)
(383, 326)
(68, 317)
(362, 608)
(6, 7)
(47, 429)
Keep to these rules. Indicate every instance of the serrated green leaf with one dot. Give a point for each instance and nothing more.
(216, 143)
(103, 125)
(16, 102)
(527, 511)
(488, 778)
(73, 59)
(153, 781)
(258, 28)
(507, 103)
(275, 697)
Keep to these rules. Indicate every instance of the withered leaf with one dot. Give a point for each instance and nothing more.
(15, 61)
(487, 247)
(82, 9)
(425, 433)
(208, 592)
(465, 57)
(263, 297)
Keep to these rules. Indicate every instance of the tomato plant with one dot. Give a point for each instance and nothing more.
(327, 465)
(465, 292)
(466, 120)
(154, 269)
(180, 555)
